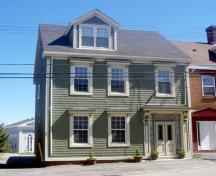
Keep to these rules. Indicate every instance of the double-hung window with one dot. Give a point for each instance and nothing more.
(208, 85)
(164, 82)
(94, 37)
(80, 130)
(119, 132)
(29, 142)
(81, 80)
(118, 84)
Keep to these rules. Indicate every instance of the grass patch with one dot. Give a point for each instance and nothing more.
(197, 157)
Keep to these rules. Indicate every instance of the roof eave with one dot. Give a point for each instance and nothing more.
(123, 57)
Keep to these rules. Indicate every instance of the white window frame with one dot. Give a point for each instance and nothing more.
(72, 144)
(203, 93)
(172, 74)
(127, 130)
(72, 77)
(38, 92)
(126, 79)
(108, 27)
(29, 147)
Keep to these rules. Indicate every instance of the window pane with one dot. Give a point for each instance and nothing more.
(209, 91)
(87, 36)
(164, 76)
(164, 87)
(102, 37)
(160, 132)
(118, 129)
(102, 32)
(118, 122)
(117, 80)
(118, 136)
(80, 136)
(87, 41)
(87, 31)
(208, 81)
(169, 132)
(80, 124)
(81, 79)
(102, 42)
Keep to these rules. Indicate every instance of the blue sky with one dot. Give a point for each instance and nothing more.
(184, 20)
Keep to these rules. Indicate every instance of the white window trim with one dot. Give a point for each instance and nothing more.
(94, 35)
(126, 81)
(203, 94)
(38, 91)
(171, 70)
(127, 130)
(72, 75)
(72, 144)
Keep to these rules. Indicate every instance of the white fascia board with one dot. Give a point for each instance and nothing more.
(202, 67)
(140, 59)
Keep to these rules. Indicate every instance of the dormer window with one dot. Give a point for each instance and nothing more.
(96, 37)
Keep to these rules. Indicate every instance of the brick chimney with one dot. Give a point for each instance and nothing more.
(211, 34)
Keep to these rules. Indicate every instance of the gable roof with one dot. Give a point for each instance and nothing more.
(199, 52)
(25, 122)
(130, 43)
(96, 13)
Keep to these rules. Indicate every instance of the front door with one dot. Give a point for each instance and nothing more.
(165, 138)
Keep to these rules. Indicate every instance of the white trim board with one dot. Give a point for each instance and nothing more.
(141, 59)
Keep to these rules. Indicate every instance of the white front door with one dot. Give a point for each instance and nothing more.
(206, 135)
(165, 138)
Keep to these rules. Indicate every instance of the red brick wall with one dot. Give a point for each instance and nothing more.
(197, 100)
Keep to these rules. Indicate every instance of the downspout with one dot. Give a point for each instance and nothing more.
(189, 110)
(143, 122)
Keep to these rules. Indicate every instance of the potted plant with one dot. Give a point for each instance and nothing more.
(180, 153)
(91, 160)
(154, 155)
(137, 156)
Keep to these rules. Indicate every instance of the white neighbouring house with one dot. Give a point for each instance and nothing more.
(21, 136)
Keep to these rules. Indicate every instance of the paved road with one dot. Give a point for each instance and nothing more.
(196, 167)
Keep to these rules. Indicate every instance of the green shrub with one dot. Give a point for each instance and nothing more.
(154, 155)
(91, 155)
(137, 152)
(180, 153)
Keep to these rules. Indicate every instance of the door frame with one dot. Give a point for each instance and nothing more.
(164, 123)
(198, 134)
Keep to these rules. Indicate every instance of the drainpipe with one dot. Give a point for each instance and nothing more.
(189, 110)
(143, 121)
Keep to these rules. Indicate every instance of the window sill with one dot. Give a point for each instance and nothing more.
(165, 95)
(82, 93)
(111, 94)
(94, 48)
(208, 97)
(119, 145)
(81, 145)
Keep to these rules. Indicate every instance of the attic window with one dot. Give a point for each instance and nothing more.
(94, 37)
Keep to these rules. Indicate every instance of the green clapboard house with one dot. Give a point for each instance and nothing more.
(108, 89)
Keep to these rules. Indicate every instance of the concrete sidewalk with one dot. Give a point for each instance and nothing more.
(191, 167)
(207, 156)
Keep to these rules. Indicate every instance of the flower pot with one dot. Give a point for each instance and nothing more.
(138, 158)
(91, 161)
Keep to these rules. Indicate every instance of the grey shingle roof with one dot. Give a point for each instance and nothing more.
(18, 123)
(129, 43)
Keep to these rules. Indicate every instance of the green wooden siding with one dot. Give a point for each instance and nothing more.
(142, 91)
